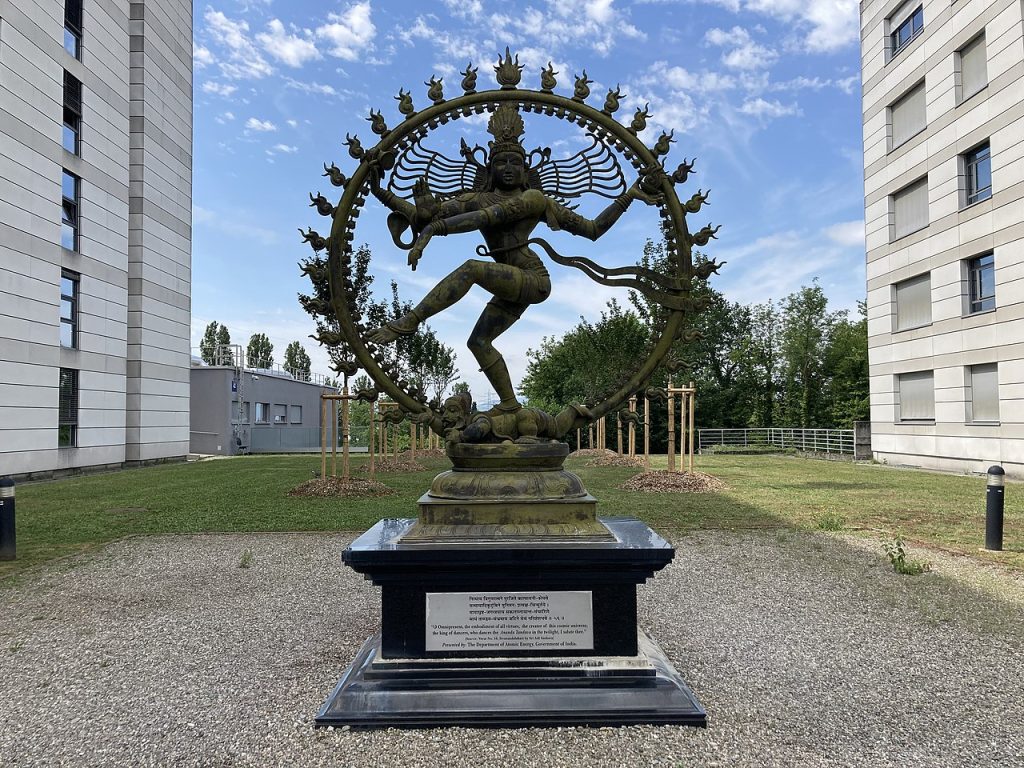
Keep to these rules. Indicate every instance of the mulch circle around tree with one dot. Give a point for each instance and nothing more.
(354, 487)
(424, 453)
(663, 481)
(590, 453)
(617, 461)
(390, 465)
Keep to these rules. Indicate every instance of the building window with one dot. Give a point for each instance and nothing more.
(916, 396)
(71, 191)
(914, 302)
(296, 414)
(240, 412)
(72, 114)
(69, 308)
(73, 27)
(971, 68)
(983, 393)
(262, 413)
(909, 209)
(907, 117)
(981, 283)
(978, 174)
(67, 409)
(280, 413)
(904, 29)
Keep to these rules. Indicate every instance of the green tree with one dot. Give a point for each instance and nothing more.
(296, 361)
(431, 363)
(586, 364)
(807, 327)
(380, 312)
(214, 345)
(208, 344)
(846, 370)
(340, 354)
(760, 353)
(214, 337)
(260, 352)
(718, 365)
(223, 337)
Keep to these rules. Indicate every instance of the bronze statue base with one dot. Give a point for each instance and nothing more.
(510, 492)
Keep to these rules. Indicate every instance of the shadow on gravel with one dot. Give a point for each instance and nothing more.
(958, 591)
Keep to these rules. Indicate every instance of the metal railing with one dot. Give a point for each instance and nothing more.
(233, 356)
(808, 440)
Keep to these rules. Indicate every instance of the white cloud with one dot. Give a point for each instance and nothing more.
(465, 9)
(822, 25)
(775, 265)
(595, 24)
(323, 90)
(848, 85)
(758, 107)
(220, 89)
(288, 150)
(201, 57)
(244, 59)
(225, 117)
(451, 47)
(293, 123)
(742, 52)
(253, 124)
(846, 233)
(350, 32)
(800, 83)
(678, 78)
(287, 48)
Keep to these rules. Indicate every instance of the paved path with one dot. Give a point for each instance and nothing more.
(806, 650)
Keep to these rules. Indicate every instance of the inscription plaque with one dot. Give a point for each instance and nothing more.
(513, 621)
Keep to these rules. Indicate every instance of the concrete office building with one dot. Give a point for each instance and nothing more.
(95, 232)
(944, 182)
(243, 410)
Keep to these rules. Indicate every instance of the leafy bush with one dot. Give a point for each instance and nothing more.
(748, 450)
(896, 551)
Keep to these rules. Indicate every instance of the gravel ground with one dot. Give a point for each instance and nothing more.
(806, 649)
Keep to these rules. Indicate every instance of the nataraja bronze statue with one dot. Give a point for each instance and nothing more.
(504, 194)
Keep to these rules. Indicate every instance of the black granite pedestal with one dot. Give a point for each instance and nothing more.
(405, 677)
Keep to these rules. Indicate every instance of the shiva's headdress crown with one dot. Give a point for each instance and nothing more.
(506, 126)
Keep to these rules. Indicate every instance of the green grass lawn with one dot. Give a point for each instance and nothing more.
(249, 494)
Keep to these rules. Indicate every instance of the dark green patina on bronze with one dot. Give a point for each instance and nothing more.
(654, 185)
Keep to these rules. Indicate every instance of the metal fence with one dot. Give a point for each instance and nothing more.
(810, 440)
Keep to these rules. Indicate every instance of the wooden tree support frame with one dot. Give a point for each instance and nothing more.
(387, 405)
(686, 425)
(346, 466)
(627, 445)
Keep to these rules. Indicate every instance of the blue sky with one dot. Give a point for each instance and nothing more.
(765, 93)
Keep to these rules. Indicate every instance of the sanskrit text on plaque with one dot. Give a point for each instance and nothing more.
(512, 621)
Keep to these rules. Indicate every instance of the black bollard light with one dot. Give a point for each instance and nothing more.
(8, 545)
(994, 509)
